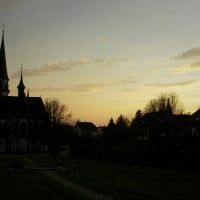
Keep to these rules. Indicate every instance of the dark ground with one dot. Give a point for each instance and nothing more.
(110, 179)
(26, 186)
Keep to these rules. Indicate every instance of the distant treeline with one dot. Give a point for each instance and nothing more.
(159, 136)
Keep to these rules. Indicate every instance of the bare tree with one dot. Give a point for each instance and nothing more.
(165, 102)
(58, 113)
(151, 106)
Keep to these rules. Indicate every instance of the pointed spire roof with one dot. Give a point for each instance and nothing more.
(21, 86)
(3, 66)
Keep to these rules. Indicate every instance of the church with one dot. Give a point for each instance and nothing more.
(24, 123)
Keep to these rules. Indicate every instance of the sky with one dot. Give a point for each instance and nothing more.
(103, 58)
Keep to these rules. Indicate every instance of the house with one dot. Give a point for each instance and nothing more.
(85, 129)
(23, 119)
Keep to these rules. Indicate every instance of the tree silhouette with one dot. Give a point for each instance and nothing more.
(137, 119)
(58, 113)
(122, 122)
(111, 123)
(59, 116)
(165, 102)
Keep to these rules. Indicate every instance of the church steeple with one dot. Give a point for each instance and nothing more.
(21, 86)
(3, 69)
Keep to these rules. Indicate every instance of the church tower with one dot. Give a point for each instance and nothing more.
(3, 70)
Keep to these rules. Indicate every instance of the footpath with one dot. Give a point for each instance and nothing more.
(77, 189)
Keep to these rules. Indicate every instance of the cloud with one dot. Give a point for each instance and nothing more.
(129, 80)
(48, 89)
(130, 90)
(183, 83)
(69, 64)
(159, 85)
(52, 67)
(75, 88)
(195, 66)
(180, 69)
(185, 68)
(96, 86)
(189, 54)
(87, 87)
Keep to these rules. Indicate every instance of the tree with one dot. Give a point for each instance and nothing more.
(58, 113)
(165, 102)
(111, 123)
(137, 118)
(122, 122)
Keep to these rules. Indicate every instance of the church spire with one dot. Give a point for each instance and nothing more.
(21, 86)
(3, 69)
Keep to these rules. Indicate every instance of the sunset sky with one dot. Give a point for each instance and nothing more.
(103, 58)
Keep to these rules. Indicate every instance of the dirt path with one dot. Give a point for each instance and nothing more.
(84, 192)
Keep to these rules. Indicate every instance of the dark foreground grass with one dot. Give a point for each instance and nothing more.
(20, 185)
(125, 182)
(129, 182)
(111, 179)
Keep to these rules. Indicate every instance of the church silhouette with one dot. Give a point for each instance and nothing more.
(24, 123)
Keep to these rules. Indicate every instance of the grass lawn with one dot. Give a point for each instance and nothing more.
(130, 182)
(19, 185)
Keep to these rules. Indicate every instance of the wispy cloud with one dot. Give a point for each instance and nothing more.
(195, 65)
(92, 87)
(189, 54)
(96, 86)
(183, 83)
(158, 85)
(69, 64)
(185, 68)
(50, 68)
(130, 90)
(132, 78)
(192, 55)
(48, 89)
(88, 87)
